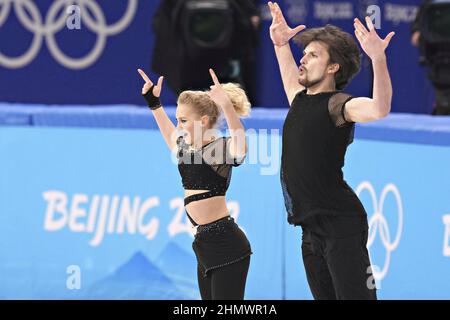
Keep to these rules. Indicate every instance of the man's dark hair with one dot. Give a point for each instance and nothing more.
(342, 49)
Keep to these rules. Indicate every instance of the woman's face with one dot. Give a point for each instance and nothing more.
(190, 124)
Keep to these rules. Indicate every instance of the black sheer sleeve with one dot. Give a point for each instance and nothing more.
(230, 159)
(336, 109)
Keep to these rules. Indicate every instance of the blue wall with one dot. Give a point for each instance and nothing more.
(96, 188)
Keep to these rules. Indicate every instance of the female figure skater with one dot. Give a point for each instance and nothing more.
(205, 163)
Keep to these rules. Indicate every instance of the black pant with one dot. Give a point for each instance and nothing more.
(223, 255)
(225, 283)
(338, 268)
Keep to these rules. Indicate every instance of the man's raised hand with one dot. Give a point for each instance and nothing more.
(280, 32)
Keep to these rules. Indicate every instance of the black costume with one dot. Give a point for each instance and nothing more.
(222, 249)
(334, 222)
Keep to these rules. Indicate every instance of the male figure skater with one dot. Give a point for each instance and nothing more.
(318, 128)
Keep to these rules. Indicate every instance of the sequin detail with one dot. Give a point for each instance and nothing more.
(216, 226)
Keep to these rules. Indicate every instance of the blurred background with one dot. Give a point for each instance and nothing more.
(96, 64)
(91, 204)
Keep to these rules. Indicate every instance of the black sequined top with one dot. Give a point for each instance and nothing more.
(206, 169)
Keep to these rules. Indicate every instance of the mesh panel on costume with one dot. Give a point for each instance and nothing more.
(336, 108)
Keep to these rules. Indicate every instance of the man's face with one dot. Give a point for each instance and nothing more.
(313, 64)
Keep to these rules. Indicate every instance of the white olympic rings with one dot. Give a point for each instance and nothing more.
(33, 22)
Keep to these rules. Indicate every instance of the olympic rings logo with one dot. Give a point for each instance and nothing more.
(33, 22)
(379, 225)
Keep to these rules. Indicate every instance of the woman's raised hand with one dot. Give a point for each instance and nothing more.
(148, 84)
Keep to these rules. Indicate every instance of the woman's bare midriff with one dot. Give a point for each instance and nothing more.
(206, 210)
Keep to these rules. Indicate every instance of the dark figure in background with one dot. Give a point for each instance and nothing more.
(248, 61)
(193, 36)
(431, 34)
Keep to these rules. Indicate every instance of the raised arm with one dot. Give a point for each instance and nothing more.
(151, 94)
(364, 109)
(238, 145)
(281, 33)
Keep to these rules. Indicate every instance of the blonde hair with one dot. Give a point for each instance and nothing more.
(204, 105)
